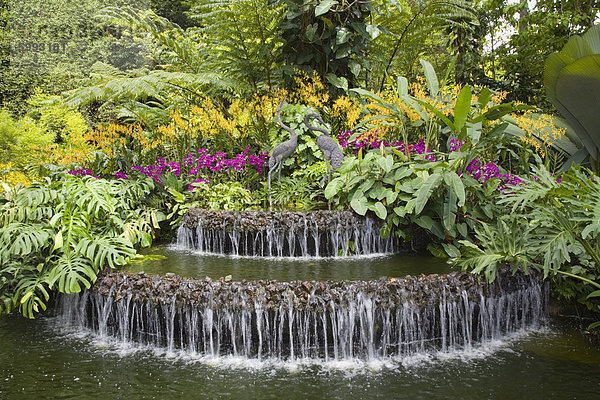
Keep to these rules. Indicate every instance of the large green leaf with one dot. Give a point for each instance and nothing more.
(572, 81)
(324, 6)
(360, 206)
(431, 78)
(462, 108)
(453, 181)
(366, 93)
(450, 209)
(424, 192)
(70, 272)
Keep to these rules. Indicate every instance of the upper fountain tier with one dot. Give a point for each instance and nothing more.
(283, 234)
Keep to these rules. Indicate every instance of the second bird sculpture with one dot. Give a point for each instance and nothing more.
(281, 152)
(331, 151)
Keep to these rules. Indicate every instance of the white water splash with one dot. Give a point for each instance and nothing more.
(303, 239)
(337, 327)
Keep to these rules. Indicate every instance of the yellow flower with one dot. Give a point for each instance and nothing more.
(540, 131)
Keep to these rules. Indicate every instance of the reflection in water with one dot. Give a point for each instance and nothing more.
(190, 264)
(40, 360)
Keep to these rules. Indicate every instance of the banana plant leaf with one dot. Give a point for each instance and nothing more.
(572, 81)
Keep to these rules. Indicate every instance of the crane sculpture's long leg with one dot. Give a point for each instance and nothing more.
(327, 159)
(270, 200)
(329, 174)
(279, 176)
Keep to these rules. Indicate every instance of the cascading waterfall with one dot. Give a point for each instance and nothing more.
(282, 234)
(307, 319)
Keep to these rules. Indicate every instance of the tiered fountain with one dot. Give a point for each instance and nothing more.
(303, 319)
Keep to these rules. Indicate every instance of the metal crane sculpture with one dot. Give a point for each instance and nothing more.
(281, 152)
(329, 147)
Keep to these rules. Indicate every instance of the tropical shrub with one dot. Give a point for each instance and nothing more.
(300, 191)
(550, 136)
(446, 194)
(58, 234)
(550, 224)
(223, 196)
(439, 112)
(20, 138)
(447, 180)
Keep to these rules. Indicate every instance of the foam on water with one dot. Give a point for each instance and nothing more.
(177, 246)
(351, 366)
(348, 324)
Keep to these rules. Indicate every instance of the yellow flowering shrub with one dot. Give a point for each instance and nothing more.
(12, 177)
(310, 91)
(540, 131)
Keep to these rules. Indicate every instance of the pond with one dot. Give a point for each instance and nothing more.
(39, 359)
(45, 358)
(190, 264)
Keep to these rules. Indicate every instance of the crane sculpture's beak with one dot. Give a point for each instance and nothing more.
(324, 124)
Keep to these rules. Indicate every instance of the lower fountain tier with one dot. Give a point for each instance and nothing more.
(282, 234)
(307, 319)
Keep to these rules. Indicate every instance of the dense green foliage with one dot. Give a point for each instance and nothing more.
(177, 99)
(549, 224)
(52, 45)
(516, 62)
(58, 235)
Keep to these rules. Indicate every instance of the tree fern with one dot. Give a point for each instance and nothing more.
(131, 93)
(165, 34)
(243, 38)
(412, 28)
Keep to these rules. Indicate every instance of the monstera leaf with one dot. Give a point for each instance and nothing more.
(572, 81)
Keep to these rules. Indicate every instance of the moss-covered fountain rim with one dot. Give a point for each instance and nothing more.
(258, 220)
(303, 294)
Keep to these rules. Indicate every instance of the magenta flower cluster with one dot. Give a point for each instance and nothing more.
(483, 172)
(220, 161)
(120, 175)
(371, 140)
(455, 145)
(202, 163)
(82, 172)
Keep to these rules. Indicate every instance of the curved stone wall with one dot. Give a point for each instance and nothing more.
(308, 319)
(283, 233)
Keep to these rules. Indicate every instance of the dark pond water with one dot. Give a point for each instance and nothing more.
(163, 259)
(39, 360)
